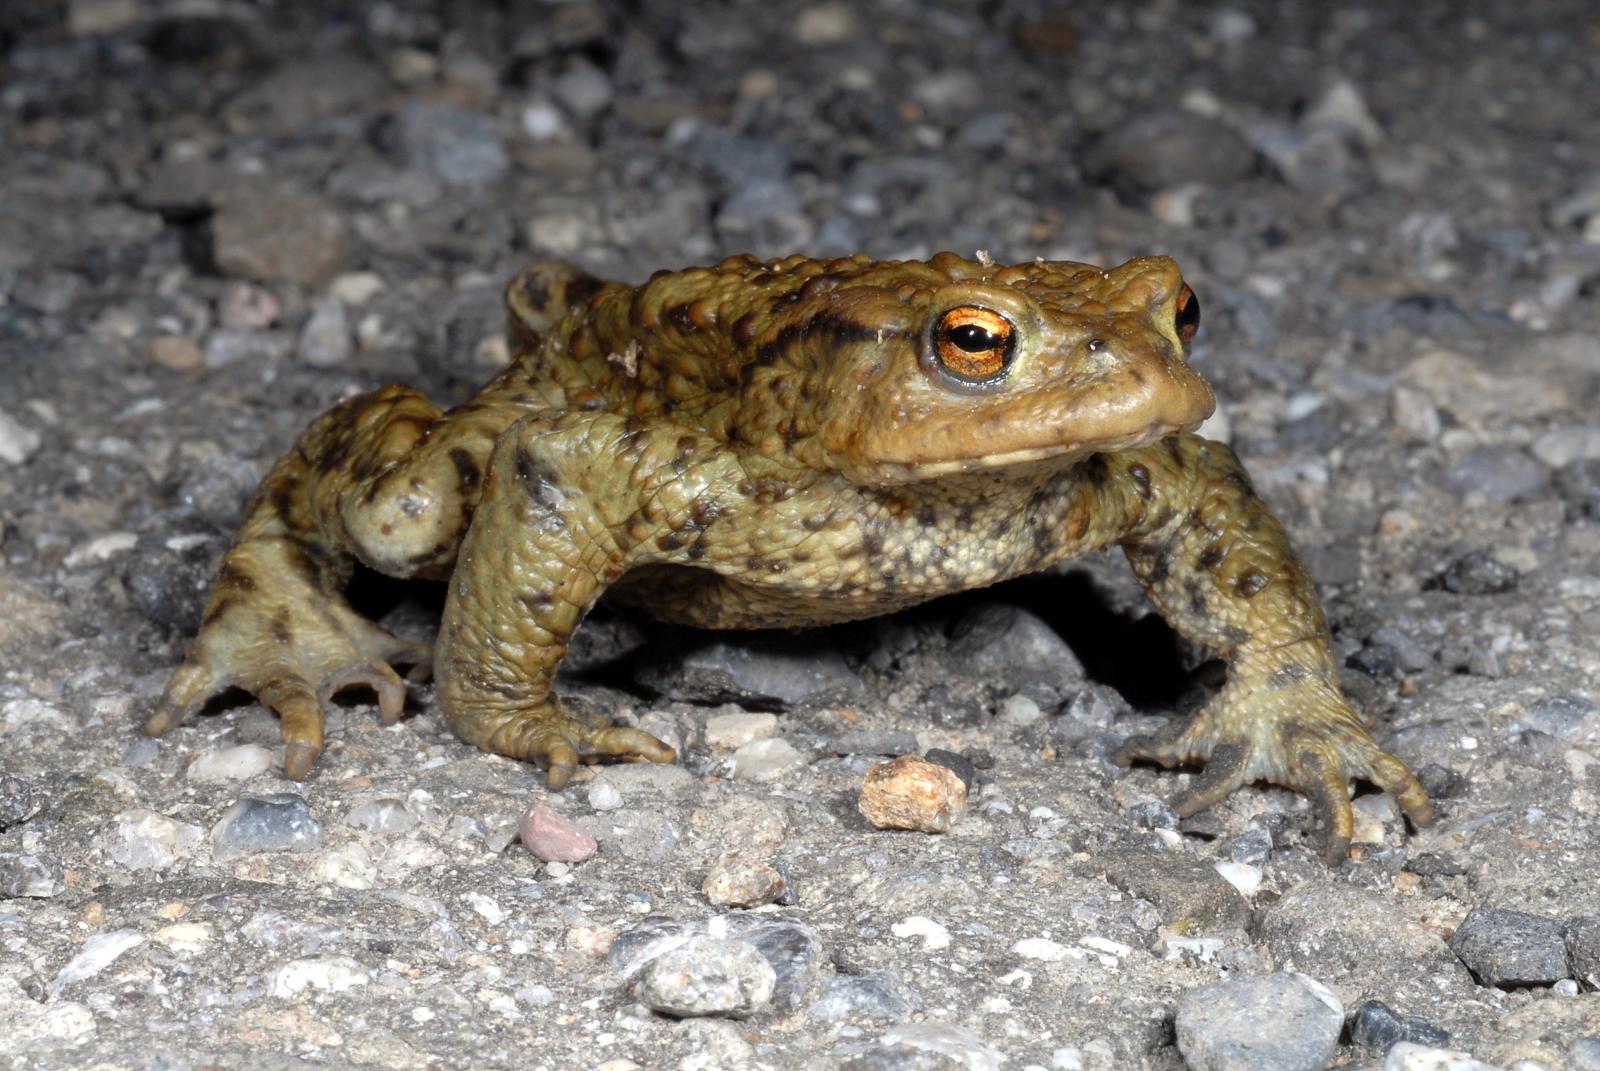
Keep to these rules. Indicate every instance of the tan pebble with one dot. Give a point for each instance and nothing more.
(912, 793)
(94, 913)
(591, 941)
(172, 909)
(175, 352)
(740, 881)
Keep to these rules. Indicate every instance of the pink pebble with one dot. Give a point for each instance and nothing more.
(553, 838)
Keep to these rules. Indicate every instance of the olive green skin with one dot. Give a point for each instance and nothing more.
(782, 443)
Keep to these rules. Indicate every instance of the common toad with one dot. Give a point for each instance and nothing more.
(784, 443)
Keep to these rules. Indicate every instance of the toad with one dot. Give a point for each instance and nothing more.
(781, 444)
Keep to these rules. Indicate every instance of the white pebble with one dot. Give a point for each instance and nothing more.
(729, 732)
(99, 952)
(934, 936)
(232, 763)
(326, 974)
(1242, 876)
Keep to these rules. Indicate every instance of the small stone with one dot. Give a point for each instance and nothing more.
(145, 840)
(1010, 644)
(86, 17)
(604, 796)
(1583, 949)
(1021, 711)
(871, 995)
(554, 838)
(1279, 1022)
(583, 89)
(325, 340)
(237, 345)
(1405, 1056)
(248, 306)
(17, 442)
(356, 288)
(232, 763)
(1187, 891)
(1169, 147)
(98, 953)
(646, 836)
(959, 765)
(826, 23)
(459, 146)
(1377, 1026)
(1585, 1054)
(1501, 473)
(325, 974)
(1478, 572)
(280, 235)
(1560, 447)
(737, 880)
(707, 975)
(348, 867)
(177, 352)
(386, 816)
(1242, 876)
(933, 1046)
(732, 731)
(190, 937)
(1510, 948)
(34, 875)
(278, 823)
(764, 674)
(912, 793)
(766, 760)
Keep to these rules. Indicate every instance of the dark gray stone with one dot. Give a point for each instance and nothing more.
(1502, 473)
(1187, 890)
(872, 995)
(1478, 572)
(169, 585)
(1583, 949)
(1169, 147)
(1356, 943)
(1280, 1022)
(1377, 1026)
(1578, 483)
(959, 765)
(1006, 643)
(760, 673)
(458, 146)
(1510, 948)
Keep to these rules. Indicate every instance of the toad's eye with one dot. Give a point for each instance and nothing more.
(973, 343)
(1186, 318)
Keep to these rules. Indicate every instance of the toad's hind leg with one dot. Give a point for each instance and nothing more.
(371, 480)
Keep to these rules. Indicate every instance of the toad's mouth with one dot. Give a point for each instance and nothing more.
(1057, 455)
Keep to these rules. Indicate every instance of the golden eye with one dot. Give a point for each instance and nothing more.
(973, 343)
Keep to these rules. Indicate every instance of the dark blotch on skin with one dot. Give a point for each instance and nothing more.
(539, 600)
(281, 632)
(467, 473)
(538, 477)
(1095, 470)
(1251, 584)
(1212, 556)
(581, 289)
(1141, 480)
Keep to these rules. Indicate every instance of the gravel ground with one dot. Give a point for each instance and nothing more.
(219, 217)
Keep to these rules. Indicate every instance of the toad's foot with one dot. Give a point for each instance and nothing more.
(1301, 734)
(548, 735)
(293, 651)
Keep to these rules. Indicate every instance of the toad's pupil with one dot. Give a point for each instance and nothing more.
(973, 339)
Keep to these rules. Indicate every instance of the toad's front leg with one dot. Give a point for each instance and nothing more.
(1220, 570)
(566, 504)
